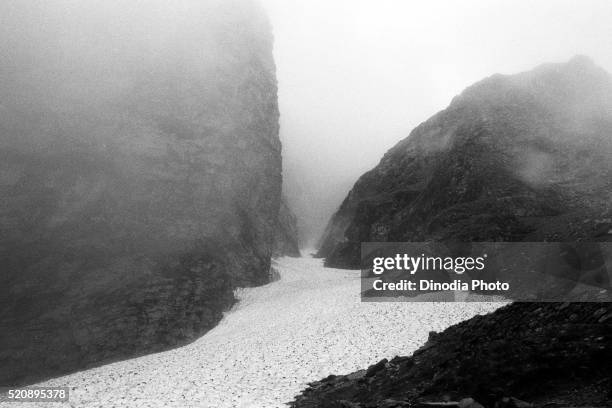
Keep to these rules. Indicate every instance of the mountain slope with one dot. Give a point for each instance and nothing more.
(526, 157)
(547, 354)
(520, 157)
(140, 175)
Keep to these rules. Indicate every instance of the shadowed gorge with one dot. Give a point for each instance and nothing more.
(141, 176)
(308, 204)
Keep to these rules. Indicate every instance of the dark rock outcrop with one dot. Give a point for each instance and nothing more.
(525, 353)
(140, 176)
(525, 157)
(513, 158)
(286, 235)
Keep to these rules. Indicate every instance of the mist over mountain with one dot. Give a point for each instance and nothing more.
(523, 157)
(152, 222)
(286, 236)
(356, 76)
(140, 175)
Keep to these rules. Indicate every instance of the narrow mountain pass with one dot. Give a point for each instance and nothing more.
(307, 325)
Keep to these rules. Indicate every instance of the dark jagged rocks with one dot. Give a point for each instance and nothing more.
(523, 355)
(140, 177)
(513, 158)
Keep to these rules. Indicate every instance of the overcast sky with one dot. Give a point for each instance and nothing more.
(355, 76)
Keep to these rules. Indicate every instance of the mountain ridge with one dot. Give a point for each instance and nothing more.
(505, 157)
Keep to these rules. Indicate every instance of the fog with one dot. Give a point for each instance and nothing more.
(355, 76)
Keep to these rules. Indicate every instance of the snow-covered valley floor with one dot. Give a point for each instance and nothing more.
(279, 337)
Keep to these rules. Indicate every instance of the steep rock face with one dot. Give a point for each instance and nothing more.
(140, 175)
(286, 236)
(521, 157)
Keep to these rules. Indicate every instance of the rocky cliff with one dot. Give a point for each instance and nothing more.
(513, 158)
(140, 175)
(523, 157)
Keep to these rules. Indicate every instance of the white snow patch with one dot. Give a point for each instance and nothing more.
(309, 324)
